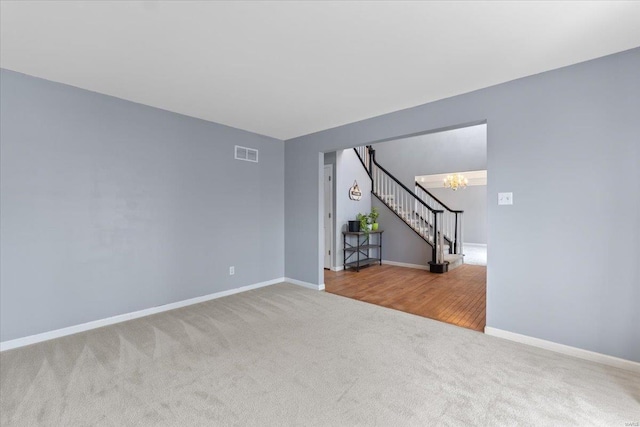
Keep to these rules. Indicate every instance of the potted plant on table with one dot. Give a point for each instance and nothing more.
(365, 225)
(373, 217)
(368, 222)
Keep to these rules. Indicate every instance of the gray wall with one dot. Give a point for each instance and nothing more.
(455, 150)
(473, 201)
(108, 207)
(563, 260)
(400, 243)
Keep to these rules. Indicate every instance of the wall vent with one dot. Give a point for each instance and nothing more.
(247, 154)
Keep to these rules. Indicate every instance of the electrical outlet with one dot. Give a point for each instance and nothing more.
(232, 270)
(505, 198)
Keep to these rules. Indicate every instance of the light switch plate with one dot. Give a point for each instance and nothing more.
(505, 198)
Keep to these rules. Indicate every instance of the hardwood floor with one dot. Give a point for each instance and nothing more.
(457, 297)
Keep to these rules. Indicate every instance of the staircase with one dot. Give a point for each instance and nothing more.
(438, 225)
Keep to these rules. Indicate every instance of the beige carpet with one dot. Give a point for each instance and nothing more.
(285, 355)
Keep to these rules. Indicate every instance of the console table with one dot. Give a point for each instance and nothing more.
(356, 247)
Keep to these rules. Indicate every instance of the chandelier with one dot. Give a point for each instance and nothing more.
(455, 181)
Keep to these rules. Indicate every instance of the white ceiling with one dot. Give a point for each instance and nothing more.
(287, 69)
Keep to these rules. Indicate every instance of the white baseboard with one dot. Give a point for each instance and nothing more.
(305, 284)
(45, 336)
(480, 245)
(337, 268)
(404, 264)
(592, 356)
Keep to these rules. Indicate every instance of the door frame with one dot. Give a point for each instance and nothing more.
(328, 219)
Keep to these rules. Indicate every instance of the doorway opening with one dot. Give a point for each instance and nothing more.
(398, 176)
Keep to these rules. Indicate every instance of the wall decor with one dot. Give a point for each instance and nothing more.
(354, 192)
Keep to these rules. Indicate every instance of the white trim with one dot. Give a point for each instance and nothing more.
(305, 284)
(480, 245)
(331, 214)
(339, 268)
(404, 264)
(592, 356)
(45, 336)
